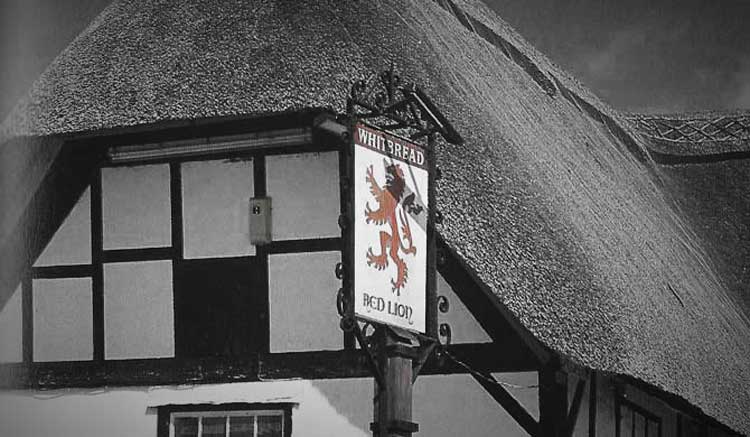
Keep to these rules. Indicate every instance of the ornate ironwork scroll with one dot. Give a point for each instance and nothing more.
(403, 108)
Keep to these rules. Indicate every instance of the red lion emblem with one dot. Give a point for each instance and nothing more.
(389, 199)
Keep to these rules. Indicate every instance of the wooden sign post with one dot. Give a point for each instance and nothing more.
(391, 207)
(393, 400)
(388, 301)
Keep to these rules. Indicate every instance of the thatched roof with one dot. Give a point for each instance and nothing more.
(705, 164)
(551, 203)
(715, 135)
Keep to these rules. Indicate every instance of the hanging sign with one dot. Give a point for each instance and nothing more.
(390, 229)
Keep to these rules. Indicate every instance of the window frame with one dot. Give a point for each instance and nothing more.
(623, 403)
(166, 414)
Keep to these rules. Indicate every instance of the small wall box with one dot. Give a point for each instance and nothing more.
(260, 220)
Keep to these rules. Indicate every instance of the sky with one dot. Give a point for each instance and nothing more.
(637, 55)
(645, 55)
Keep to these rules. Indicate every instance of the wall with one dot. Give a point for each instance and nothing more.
(443, 406)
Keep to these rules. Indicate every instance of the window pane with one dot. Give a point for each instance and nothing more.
(269, 426)
(136, 207)
(640, 425)
(11, 329)
(214, 426)
(302, 290)
(63, 324)
(186, 427)
(138, 310)
(71, 244)
(305, 194)
(241, 426)
(216, 209)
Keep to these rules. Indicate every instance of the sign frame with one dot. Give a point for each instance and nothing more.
(386, 103)
(420, 316)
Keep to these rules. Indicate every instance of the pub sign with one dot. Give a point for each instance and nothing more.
(390, 229)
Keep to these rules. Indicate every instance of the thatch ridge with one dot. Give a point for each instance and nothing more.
(695, 137)
(552, 202)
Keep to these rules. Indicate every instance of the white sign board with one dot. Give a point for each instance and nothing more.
(390, 229)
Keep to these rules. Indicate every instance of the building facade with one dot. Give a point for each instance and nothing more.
(584, 295)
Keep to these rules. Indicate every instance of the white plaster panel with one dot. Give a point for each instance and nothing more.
(136, 207)
(216, 208)
(63, 323)
(138, 310)
(302, 299)
(304, 189)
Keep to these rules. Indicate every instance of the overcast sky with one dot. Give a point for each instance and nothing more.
(645, 55)
(638, 55)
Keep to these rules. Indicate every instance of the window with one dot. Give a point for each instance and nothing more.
(233, 420)
(635, 421)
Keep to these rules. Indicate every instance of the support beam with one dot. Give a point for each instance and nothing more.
(553, 401)
(307, 365)
(575, 408)
(509, 403)
(592, 404)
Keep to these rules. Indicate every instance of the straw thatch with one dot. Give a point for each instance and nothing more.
(706, 167)
(551, 203)
(698, 134)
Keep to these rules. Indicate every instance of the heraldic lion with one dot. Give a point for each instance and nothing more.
(389, 199)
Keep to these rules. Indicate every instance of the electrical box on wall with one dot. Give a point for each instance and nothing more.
(260, 220)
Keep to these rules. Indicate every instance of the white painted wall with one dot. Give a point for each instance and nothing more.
(443, 406)
(63, 320)
(136, 207)
(215, 208)
(138, 310)
(304, 189)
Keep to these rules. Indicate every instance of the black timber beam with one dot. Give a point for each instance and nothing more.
(306, 365)
(506, 331)
(575, 409)
(553, 401)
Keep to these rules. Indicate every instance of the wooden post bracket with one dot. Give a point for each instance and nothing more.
(369, 354)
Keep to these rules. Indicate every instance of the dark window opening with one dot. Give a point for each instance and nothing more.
(635, 421)
(219, 307)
